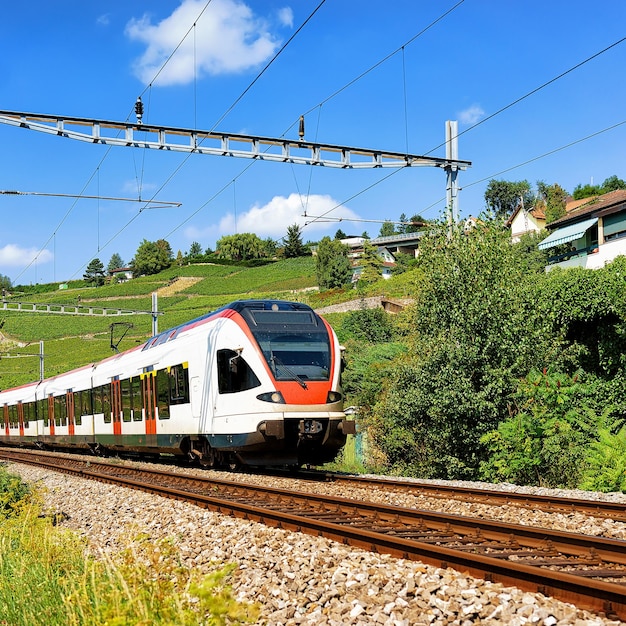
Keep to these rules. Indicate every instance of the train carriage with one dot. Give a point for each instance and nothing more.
(256, 382)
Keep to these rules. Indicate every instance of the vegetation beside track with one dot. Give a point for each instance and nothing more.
(47, 579)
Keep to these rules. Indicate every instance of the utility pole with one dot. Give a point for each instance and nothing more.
(155, 314)
(41, 360)
(452, 170)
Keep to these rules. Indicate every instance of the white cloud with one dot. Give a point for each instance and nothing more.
(285, 16)
(273, 218)
(471, 115)
(104, 19)
(13, 255)
(228, 38)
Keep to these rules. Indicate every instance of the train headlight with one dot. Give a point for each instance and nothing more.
(272, 396)
(333, 396)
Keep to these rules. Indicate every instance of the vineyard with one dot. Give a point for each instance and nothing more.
(74, 340)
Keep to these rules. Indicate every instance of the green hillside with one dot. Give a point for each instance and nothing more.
(183, 293)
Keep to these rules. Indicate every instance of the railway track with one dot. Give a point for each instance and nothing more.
(552, 504)
(589, 572)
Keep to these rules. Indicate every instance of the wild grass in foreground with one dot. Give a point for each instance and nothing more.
(47, 578)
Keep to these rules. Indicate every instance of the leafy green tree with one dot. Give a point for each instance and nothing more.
(612, 183)
(115, 263)
(5, 283)
(151, 257)
(241, 247)
(503, 197)
(195, 251)
(476, 331)
(340, 234)
(387, 229)
(554, 197)
(332, 266)
(270, 247)
(371, 265)
(293, 244)
(94, 273)
(180, 260)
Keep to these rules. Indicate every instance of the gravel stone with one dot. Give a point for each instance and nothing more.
(303, 580)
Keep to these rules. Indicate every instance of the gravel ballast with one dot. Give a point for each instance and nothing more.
(298, 579)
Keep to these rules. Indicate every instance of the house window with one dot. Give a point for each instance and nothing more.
(614, 226)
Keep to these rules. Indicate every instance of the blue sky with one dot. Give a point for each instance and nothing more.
(92, 60)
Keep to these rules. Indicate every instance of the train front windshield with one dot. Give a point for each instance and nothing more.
(295, 345)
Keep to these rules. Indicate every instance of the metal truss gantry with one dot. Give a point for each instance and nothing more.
(219, 143)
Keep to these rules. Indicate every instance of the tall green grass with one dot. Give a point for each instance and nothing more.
(47, 578)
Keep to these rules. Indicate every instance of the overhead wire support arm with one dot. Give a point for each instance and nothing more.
(220, 143)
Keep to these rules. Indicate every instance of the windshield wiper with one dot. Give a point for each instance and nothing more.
(276, 361)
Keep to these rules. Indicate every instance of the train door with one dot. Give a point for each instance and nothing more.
(149, 399)
(116, 406)
(6, 419)
(20, 417)
(69, 403)
(51, 413)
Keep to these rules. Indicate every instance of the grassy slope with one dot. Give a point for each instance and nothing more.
(71, 341)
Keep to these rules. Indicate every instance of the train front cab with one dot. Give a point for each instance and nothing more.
(286, 377)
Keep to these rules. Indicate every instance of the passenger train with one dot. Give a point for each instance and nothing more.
(254, 383)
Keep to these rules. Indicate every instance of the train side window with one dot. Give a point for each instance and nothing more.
(60, 411)
(42, 411)
(179, 384)
(233, 373)
(78, 407)
(106, 403)
(163, 394)
(13, 422)
(26, 413)
(127, 399)
(137, 398)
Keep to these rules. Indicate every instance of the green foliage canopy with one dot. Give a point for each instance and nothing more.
(151, 257)
(332, 266)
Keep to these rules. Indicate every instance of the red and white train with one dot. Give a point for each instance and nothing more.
(256, 383)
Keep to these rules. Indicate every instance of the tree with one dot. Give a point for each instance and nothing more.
(371, 265)
(115, 263)
(554, 197)
(151, 257)
(332, 265)
(340, 234)
(270, 247)
(195, 251)
(293, 245)
(475, 330)
(94, 273)
(5, 283)
(180, 259)
(503, 197)
(612, 183)
(241, 247)
(387, 229)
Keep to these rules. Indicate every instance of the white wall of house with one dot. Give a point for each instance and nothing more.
(524, 222)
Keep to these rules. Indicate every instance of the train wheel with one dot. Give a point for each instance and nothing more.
(207, 457)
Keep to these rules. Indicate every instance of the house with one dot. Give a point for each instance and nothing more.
(593, 228)
(121, 274)
(524, 221)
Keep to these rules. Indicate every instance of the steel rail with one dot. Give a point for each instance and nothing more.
(381, 528)
(598, 508)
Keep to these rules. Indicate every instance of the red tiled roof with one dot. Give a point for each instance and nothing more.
(593, 205)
